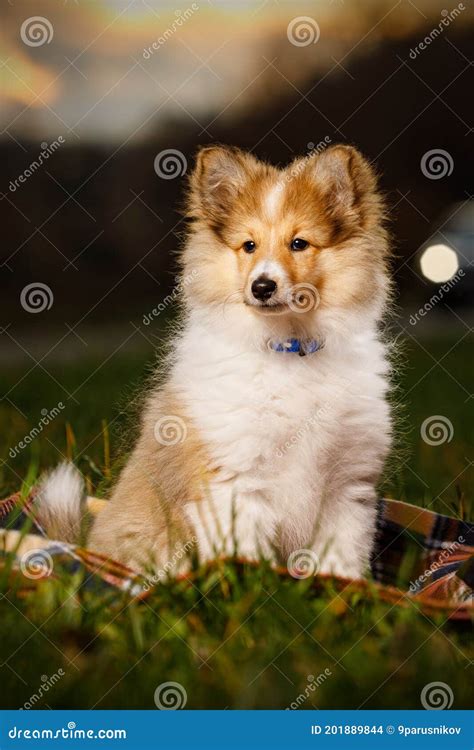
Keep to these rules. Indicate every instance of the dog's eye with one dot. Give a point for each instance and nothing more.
(249, 246)
(299, 244)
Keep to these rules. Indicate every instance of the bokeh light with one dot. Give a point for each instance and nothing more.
(439, 263)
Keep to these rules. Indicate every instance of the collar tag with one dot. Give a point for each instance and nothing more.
(296, 346)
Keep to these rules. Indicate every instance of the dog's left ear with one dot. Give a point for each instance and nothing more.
(347, 184)
(218, 179)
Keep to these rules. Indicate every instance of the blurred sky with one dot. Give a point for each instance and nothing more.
(94, 82)
(99, 225)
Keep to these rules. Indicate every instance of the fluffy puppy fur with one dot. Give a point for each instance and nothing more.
(249, 450)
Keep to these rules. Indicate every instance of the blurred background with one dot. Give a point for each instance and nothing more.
(102, 107)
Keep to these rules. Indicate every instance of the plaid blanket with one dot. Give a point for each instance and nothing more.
(419, 557)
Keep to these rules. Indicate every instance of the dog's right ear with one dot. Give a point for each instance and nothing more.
(217, 180)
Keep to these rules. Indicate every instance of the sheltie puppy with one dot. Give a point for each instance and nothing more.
(270, 431)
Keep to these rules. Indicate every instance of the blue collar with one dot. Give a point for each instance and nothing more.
(296, 346)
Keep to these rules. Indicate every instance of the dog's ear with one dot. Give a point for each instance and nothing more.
(218, 178)
(346, 183)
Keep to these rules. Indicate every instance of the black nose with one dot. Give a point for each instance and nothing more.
(263, 288)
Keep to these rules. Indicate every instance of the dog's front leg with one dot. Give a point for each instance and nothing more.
(344, 541)
(230, 523)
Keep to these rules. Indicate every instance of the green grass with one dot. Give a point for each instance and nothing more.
(233, 638)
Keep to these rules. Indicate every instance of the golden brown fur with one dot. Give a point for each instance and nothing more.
(143, 518)
(330, 199)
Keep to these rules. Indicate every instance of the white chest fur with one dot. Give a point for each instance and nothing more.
(278, 425)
